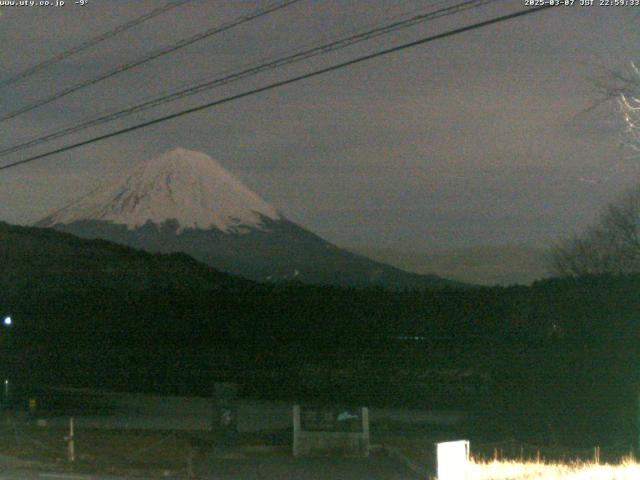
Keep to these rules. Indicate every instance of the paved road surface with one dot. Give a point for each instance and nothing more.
(16, 474)
(377, 467)
(275, 467)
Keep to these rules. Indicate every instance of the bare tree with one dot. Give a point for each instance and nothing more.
(611, 246)
(630, 106)
(623, 85)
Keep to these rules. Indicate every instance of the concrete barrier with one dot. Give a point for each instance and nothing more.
(326, 431)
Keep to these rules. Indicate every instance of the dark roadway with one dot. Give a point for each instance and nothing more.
(376, 467)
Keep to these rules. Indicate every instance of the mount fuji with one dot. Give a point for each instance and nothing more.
(184, 201)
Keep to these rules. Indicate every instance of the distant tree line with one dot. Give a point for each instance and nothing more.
(560, 357)
(611, 246)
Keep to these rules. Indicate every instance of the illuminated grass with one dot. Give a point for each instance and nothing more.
(506, 470)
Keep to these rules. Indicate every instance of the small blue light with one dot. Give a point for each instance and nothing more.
(7, 321)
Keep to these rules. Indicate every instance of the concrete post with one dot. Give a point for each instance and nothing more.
(365, 431)
(71, 450)
(453, 460)
(225, 412)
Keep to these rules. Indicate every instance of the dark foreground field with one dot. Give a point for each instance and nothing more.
(39, 449)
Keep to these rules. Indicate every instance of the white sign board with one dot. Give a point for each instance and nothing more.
(453, 460)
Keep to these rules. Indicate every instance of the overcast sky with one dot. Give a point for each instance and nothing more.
(478, 139)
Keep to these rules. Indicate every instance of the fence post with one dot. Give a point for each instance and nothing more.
(366, 439)
(71, 446)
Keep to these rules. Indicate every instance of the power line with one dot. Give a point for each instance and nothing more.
(282, 83)
(92, 42)
(108, 115)
(152, 56)
(269, 65)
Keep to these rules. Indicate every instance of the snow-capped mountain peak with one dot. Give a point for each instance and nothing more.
(182, 185)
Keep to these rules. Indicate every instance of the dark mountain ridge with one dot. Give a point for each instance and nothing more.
(280, 251)
(184, 201)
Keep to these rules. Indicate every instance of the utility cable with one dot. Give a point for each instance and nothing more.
(92, 42)
(252, 71)
(260, 12)
(288, 81)
(105, 114)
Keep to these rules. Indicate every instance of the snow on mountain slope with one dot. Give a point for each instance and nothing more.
(186, 186)
(183, 201)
